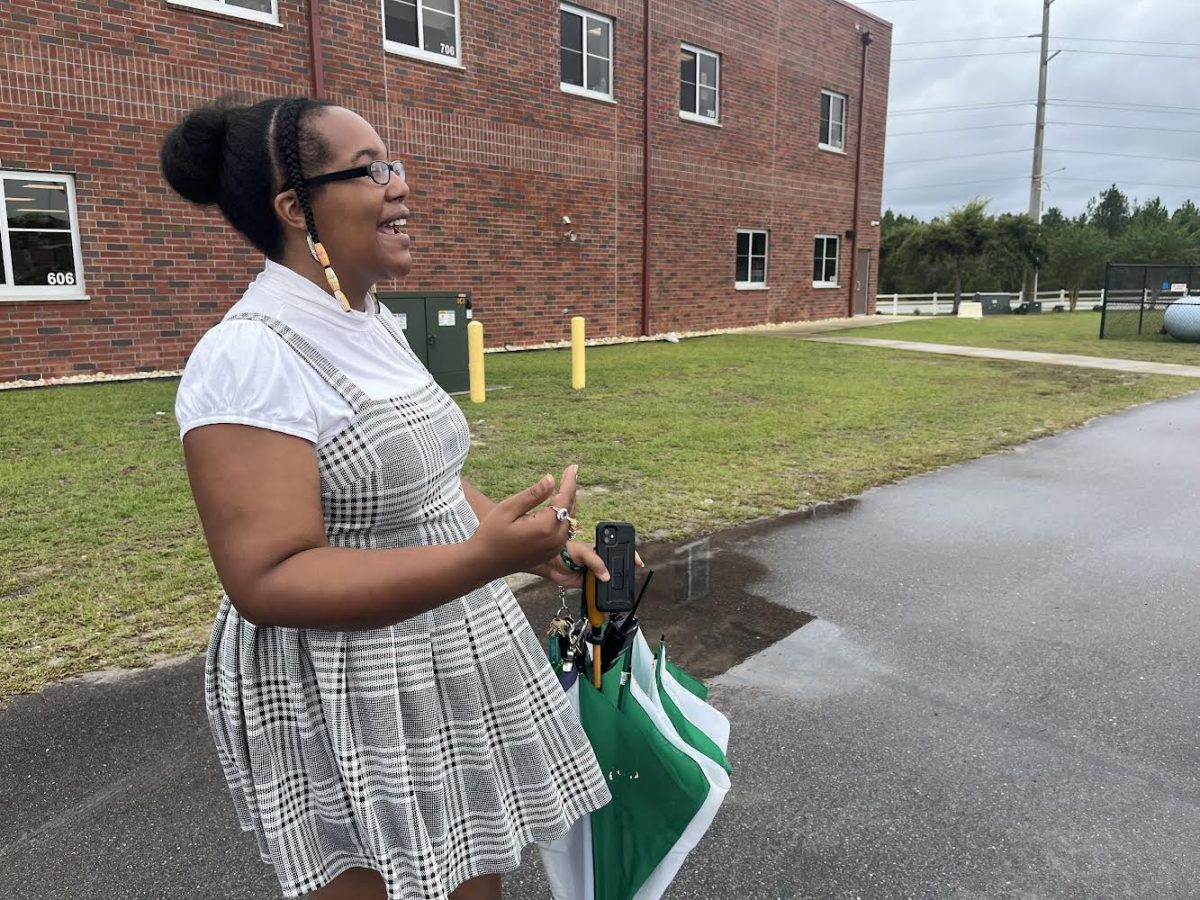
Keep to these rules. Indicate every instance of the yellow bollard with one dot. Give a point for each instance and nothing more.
(475, 361)
(578, 362)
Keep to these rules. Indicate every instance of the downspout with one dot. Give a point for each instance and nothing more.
(646, 174)
(858, 153)
(314, 49)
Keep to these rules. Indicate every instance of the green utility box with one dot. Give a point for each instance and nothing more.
(435, 325)
(994, 304)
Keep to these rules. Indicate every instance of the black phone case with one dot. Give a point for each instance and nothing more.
(617, 594)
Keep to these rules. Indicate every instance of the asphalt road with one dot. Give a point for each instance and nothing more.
(975, 712)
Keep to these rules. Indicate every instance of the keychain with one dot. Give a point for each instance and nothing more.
(562, 621)
(560, 629)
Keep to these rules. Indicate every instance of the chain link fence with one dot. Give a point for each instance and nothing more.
(1137, 295)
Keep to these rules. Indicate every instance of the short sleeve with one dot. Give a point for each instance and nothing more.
(242, 373)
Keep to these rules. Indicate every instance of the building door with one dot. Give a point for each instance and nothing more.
(862, 281)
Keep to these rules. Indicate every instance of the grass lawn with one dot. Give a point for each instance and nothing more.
(102, 562)
(1048, 333)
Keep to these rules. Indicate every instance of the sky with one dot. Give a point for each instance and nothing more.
(1113, 102)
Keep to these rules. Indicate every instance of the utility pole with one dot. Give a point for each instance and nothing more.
(1035, 186)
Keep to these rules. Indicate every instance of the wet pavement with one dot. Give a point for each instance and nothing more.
(999, 697)
(699, 600)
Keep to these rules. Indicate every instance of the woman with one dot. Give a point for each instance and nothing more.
(384, 715)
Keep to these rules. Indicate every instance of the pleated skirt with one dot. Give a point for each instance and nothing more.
(432, 751)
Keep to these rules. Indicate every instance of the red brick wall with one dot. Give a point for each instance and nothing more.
(497, 154)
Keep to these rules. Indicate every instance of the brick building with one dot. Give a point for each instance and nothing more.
(523, 126)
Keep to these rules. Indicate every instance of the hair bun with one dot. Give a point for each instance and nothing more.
(192, 154)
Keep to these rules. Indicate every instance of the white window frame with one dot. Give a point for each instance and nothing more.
(837, 253)
(751, 284)
(823, 142)
(696, 117)
(442, 59)
(225, 8)
(14, 292)
(576, 89)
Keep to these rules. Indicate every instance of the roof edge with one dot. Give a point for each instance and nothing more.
(858, 9)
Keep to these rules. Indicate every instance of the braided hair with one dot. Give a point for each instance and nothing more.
(222, 154)
(287, 152)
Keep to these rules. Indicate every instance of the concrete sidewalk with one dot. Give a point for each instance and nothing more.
(1137, 367)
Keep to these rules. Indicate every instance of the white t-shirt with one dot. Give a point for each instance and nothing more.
(243, 373)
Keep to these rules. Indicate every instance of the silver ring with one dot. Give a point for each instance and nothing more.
(562, 514)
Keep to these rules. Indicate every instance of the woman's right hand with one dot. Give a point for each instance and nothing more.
(513, 538)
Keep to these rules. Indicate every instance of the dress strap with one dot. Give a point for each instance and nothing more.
(349, 391)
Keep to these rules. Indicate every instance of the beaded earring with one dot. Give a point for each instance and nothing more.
(318, 252)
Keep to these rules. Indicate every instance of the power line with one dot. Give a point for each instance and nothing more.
(1021, 37)
(1123, 53)
(1005, 37)
(1195, 159)
(1125, 127)
(1024, 52)
(970, 55)
(893, 134)
(905, 162)
(968, 106)
(1126, 181)
(1128, 107)
(1146, 128)
(1128, 41)
(1082, 104)
(926, 187)
(1117, 103)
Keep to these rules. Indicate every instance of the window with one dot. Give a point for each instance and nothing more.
(699, 77)
(585, 52)
(425, 29)
(751, 259)
(833, 121)
(825, 261)
(255, 10)
(39, 238)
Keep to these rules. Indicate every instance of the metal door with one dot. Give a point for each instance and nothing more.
(446, 330)
(410, 312)
(862, 282)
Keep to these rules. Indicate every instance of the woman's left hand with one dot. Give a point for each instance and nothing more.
(556, 570)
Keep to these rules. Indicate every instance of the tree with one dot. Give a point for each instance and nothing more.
(1078, 253)
(1188, 215)
(1152, 212)
(1053, 218)
(1160, 242)
(1110, 212)
(894, 276)
(959, 238)
(973, 251)
(1020, 243)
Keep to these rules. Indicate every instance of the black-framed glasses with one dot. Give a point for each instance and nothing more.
(378, 171)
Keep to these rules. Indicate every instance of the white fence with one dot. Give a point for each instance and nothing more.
(938, 304)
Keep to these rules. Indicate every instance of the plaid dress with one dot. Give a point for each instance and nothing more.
(432, 750)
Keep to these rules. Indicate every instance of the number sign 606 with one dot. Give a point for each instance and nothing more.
(60, 278)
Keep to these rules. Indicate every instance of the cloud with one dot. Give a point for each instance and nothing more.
(942, 158)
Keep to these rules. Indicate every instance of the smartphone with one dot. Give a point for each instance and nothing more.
(615, 545)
